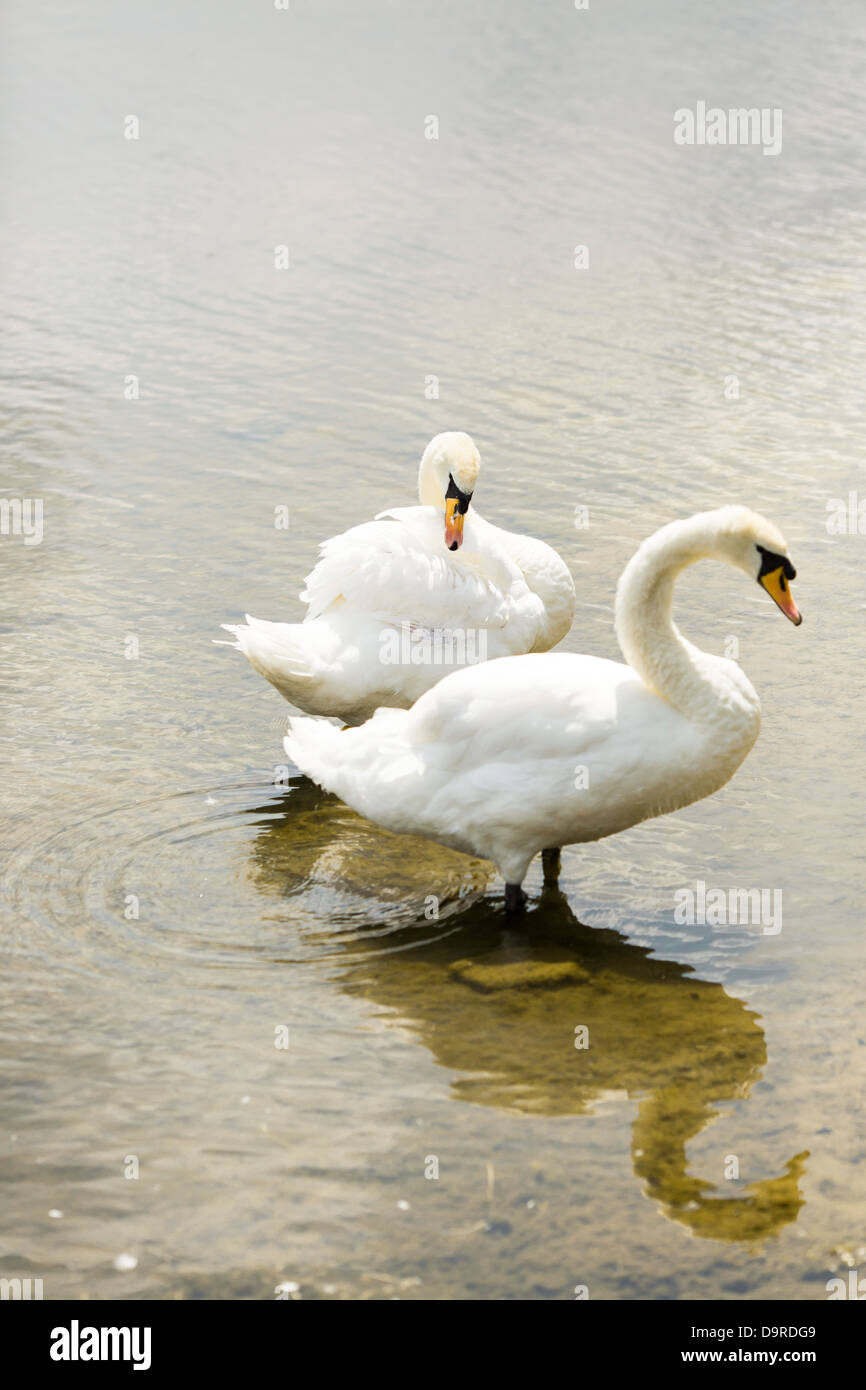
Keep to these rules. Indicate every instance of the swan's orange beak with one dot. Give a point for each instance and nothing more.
(453, 524)
(777, 587)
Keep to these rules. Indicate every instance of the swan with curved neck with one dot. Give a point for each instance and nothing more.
(439, 572)
(531, 753)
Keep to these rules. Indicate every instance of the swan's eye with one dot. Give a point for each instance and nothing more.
(463, 498)
(771, 560)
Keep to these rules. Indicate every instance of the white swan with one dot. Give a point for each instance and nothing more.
(397, 603)
(534, 752)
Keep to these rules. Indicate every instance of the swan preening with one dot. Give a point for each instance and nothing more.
(395, 603)
(529, 753)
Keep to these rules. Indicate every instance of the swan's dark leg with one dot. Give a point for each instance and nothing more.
(550, 863)
(515, 898)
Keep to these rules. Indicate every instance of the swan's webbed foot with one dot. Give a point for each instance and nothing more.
(515, 898)
(551, 862)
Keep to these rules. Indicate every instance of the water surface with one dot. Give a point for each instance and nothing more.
(174, 898)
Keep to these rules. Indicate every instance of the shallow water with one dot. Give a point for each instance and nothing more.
(173, 897)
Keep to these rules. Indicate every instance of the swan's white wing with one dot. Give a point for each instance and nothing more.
(395, 569)
(529, 707)
(548, 576)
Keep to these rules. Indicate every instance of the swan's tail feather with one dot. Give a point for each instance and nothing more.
(275, 650)
(312, 746)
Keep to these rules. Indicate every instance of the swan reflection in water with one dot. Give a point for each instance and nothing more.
(499, 1004)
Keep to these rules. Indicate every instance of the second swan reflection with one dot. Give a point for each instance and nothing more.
(499, 1008)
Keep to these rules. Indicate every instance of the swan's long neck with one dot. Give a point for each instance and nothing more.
(431, 487)
(650, 640)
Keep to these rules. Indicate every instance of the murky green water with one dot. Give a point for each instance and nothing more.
(176, 907)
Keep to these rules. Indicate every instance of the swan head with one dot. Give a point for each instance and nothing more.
(446, 480)
(754, 545)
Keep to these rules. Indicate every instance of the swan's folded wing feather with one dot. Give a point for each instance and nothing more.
(384, 569)
(536, 706)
